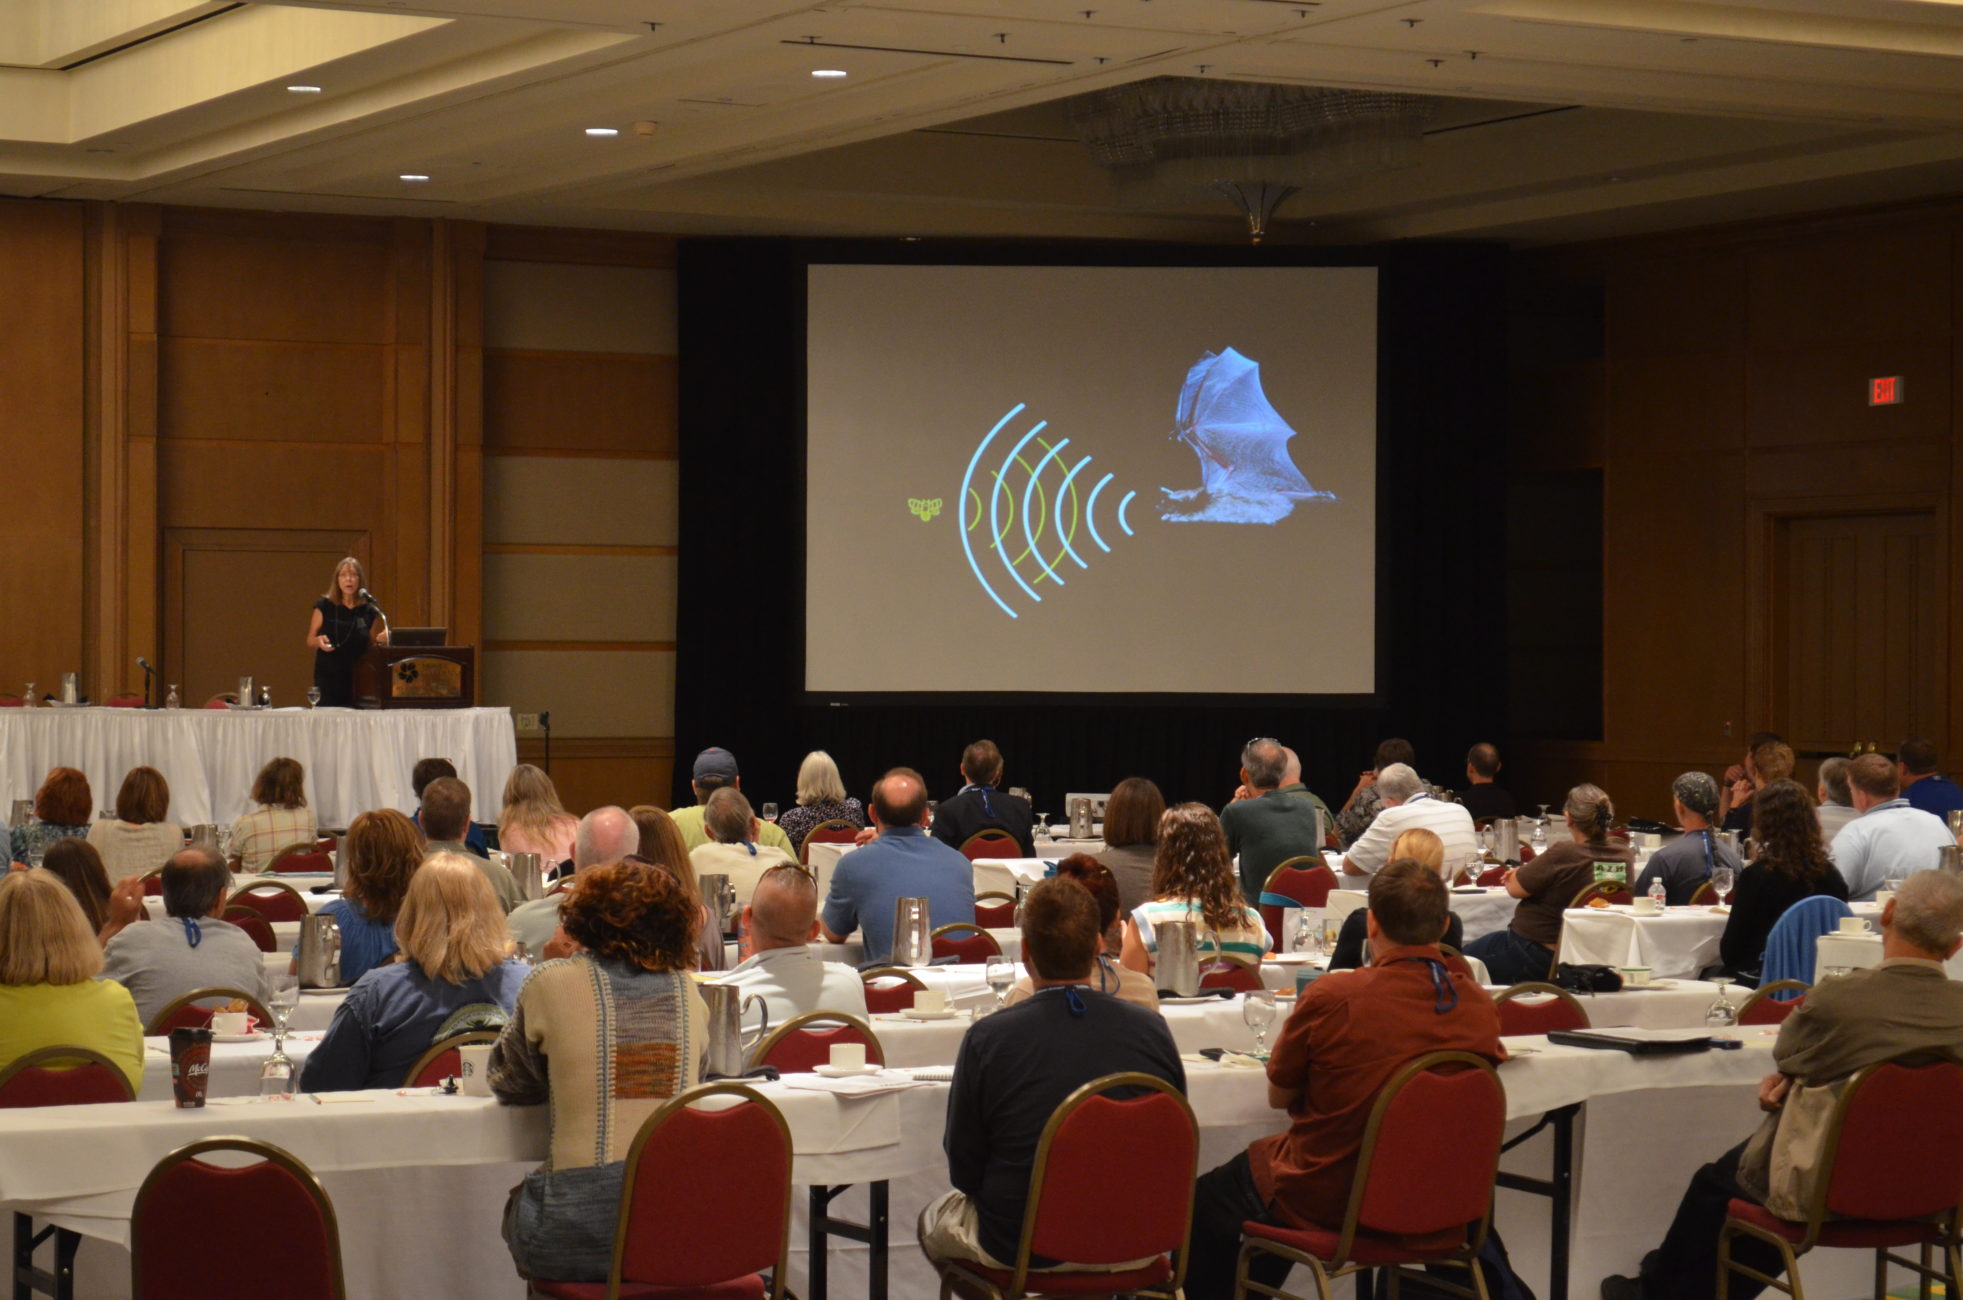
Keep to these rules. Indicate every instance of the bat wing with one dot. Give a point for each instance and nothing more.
(1241, 440)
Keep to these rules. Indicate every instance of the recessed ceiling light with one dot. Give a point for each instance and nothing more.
(828, 72)
(601, 132)
(303, 90)
(412, 177)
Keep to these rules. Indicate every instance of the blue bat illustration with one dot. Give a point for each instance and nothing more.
(1246, 474)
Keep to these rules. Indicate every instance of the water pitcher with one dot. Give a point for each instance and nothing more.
(912, 931)
(728, 1040)
(1506, 840)
(1950, 858)
(1080, 818)
(524, 869)
(1178, 968)
(719, 896)
(320, 952)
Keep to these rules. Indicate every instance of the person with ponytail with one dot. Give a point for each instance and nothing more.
(1525, 949)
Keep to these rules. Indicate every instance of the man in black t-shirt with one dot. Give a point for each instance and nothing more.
(980, 806)
(1482, 798)
(1017, 1066)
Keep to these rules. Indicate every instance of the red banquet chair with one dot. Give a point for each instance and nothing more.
(444, 1060)
(1146, 1143)
(1292, 885)
(967, 943)
(153, 883)
(173, 1256)
(55, 1076)
(301, 860)
(1423, 1189)
(1866, 1195)
(676, 1237)
(254, 923)
(1769, 1006)
(990, 843)
(1560, 1010)
(1493, 876)
(273, 899)
(187, 1013)
(999, 913)
(890, 989)
(831, 832)
(800, 1042)
(1230, 973)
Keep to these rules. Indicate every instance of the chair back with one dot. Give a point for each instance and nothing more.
(1298, 882)
(188, 1012)
(273, 899)
(967, 943)
(890, 989)
(12, 702)
(124, 701)
(1230, 973)
(251, 920)
(173, 1255)
(301, 860)
(678, 1232)
(62, 1076)
(1770, 1004)
(998, 913)
(444, 1060)
(1560, 1010)
(831, 832)
(804, 1041)
(1609, 891)
(1889, 1109)
(1707, 893)
(1144, 1140)
(1430, 1153)
(153, 883)
(990, 842)
(222, 700)
(1493, 876)
(1791, 949)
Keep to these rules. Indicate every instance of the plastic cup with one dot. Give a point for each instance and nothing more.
(190, 1066)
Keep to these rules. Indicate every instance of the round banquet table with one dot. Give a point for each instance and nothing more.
(1678, 943)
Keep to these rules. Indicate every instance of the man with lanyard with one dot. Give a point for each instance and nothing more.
(1349, 1033)
(733, 849)
(1685, 863)
(980, 806)
(1015, 1067)
(195, 948)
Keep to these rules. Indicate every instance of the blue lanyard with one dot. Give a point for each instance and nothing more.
(1710, 867)
(988, 809)
(1071, 997)
(192, 934)
(1444, 996)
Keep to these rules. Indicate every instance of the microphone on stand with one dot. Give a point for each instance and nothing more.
(148, 673)
(369, 596)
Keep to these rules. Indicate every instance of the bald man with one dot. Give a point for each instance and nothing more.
(903, 862)
(779, 923)
(605, 835)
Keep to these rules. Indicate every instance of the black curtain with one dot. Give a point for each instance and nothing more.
(1441, 563)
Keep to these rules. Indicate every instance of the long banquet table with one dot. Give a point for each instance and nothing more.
(356, 759)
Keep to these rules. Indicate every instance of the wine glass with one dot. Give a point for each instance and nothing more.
(1722, 1014)
(770, 812)
(1043, 826)
(277, 1076)
(1543, 813)
(29, 697)
(1000, 973)
(1539, 838)
(1258, 1010)
(313, 696)
(932, 804)
(1721, 882)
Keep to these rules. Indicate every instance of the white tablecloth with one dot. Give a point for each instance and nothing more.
(234, 1069)
(1677, 944)
(1480, 913)
(356, 759)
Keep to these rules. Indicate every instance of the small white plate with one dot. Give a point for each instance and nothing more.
(1288, 958)
(253, 1037)
(1653, 984)
(842, 1072)
(1187, 1002)
(912, 1013)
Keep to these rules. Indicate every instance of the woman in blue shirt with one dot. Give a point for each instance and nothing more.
(382, 851)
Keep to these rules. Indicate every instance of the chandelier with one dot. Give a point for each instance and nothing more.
(1169, 140)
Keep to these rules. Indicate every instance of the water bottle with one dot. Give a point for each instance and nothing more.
(171, 701)
(1657, 893)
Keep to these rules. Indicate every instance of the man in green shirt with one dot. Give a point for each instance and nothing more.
(1265, 825)
(715, 768)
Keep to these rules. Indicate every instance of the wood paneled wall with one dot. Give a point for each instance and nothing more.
(1729, 402)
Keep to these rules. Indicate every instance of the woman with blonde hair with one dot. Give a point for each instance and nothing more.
(821, 798)
(279, 818)
(456, 974)
(1416, 845)
(343, 623)
(1193, 880)
(533, 820)
(49, 995)
(139, 840)
(381, 851)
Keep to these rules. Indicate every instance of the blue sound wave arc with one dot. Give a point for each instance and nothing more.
(1121, 514)
(1062, 536)
(1090, 511)
(994, 530)
(967, 547)
(1030, 491)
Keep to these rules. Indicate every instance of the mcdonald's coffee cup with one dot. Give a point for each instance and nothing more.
(190, 1066)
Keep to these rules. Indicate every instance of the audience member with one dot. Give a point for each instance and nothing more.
(1836, 798)
(780, 922)
(606, 1037)
(280, 818)
(1350, 1032)
(1193, 880)
(139, 840)
(606, 834)
(903, 862)
(1264, 826)
(1907, 1007)
(380, 852)
(732, 849)
(821, 798)
(1545, 887)
(533, 820)
(194, 948)
(1689, 860)
(431, 769)
(1014, 1068)
(79, 867)
(1365, 801)
(979, 806)
(715, 768)
(1793, 863)
(1739, 785)
(1769, 760)
(1131, 838)
(1922, 785)
(1889, 839)
(1291, 784)
(1109, 976)
(446, 820)
(63, 807)
(661, 844)
(1352, 941)
(455, 976)
(1407, 803)
(48, 994)
(1484, 798)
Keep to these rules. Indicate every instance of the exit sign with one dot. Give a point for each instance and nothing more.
(1886, 391)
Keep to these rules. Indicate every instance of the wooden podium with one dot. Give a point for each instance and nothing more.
(416, 677)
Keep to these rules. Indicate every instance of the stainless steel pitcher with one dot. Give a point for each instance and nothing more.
(1950, 858)
(319, 957)
(913, 944)
(1955, 819)
(1080, 817)
(1506, 840)
(728, 1040)
(524, 868)
(205, 836)
(1735, 840)
(1177, 969)
(719, 896)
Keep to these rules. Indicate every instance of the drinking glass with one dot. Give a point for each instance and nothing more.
(1000, 973)
(1043, 827)
(1543, 813)
(931, 805)
(1721, 882)
(1722, 1013)
(313, 696)
(1893, 884)
(1832, 971)
(29, 697)
(1539, 838)
(277, 1076)
(1258, 1010)
(770, 812)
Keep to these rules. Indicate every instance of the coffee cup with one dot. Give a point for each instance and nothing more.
(190, 1066)
(1854, 925)
(474, 1069)
(1635, 976)
(1644, 905)
(930, 999)
(1883, 897)
(230, 1024)
(848, 1056)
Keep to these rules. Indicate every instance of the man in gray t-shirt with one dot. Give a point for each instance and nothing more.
(191, 948)
(1687, 862)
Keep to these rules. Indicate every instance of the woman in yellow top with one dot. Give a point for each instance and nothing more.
(49, 995)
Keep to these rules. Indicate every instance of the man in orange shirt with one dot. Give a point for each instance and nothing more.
(1351, 1031)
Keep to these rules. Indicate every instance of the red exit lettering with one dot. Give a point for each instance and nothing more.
(1885, 391)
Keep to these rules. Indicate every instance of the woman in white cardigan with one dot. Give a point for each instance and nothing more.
(139, 840)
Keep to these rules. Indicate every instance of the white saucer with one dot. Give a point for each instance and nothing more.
(253, 1037)
(913, 1013)
(1187, 1002)
(1289, 958)
(842, 1072)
